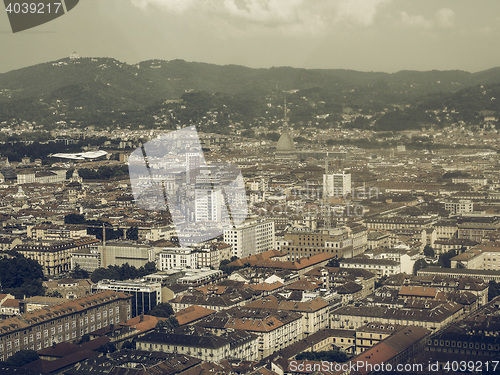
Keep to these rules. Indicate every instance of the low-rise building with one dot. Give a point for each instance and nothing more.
(459, 207)
(476, 335)
(145, 294)
(315, 312)
(234, 345)
(56, 232)
(276, 329)
(89, 259)
(371, 334)
(380, 267)
(486, 275)
(69, 288)
(9, 305)
(214, 297)
(56, 258)
(8, 243)
(432, 316)
(118, 253)
(173, 257)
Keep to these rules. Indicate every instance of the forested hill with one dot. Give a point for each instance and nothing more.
(95, 91)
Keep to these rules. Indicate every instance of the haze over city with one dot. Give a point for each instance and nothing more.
(260, 187)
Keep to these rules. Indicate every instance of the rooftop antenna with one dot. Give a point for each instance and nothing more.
(326, 163)
(285, 118)
(103, 246)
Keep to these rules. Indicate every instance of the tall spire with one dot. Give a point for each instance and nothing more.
(285, 115)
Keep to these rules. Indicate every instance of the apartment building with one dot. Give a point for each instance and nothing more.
(251, 237)
(67, 321)
(380, 267)
(56, 258)
(459, 207)
(443, 246)
(396, 222)
(446, 229)
(234, 345)
(336, 241)
(371, 334)
(315, 312)
(481, 257)
(477, 335)
(276, 329)
(377, 239)
(336, 185)
(433, 316)
(56, 232)
(477, 228)
(172, 257)
(210, 255)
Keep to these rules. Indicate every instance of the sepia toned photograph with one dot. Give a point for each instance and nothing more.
(255, 187)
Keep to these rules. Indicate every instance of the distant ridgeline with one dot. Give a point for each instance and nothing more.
(106, 93)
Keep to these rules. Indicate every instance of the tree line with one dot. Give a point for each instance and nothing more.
(123, 272)
(20, 276)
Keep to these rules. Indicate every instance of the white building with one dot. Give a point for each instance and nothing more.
(208, 199)
(336, 185)
(463, 206)
(380, 267)
(252, 237)
(172, 257)
(145, 294)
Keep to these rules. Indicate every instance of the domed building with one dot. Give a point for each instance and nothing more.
(285, 149)
(75, 190)
(20, 196)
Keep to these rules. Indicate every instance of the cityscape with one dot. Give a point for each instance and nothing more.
(169, 216)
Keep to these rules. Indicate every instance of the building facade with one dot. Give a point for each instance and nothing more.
(173, 257)
(145, 294)
(252, 237)
(336, 185)
(68, 321)
(55, 259)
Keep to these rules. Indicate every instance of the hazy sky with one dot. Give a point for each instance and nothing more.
(368, 35)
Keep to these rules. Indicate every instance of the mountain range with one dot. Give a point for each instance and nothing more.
(81, 89)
